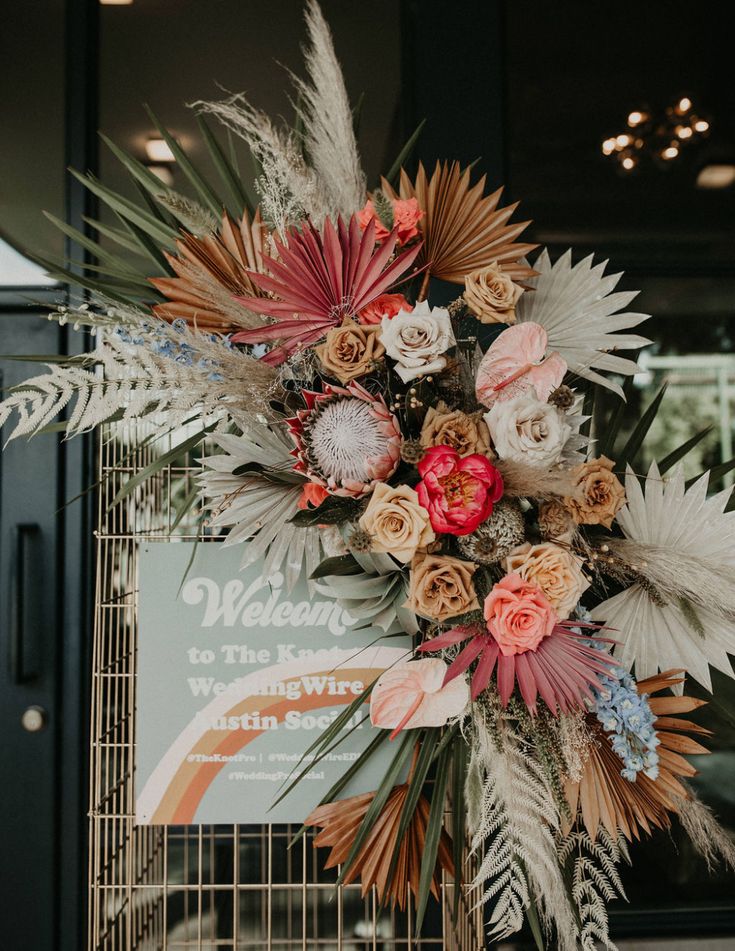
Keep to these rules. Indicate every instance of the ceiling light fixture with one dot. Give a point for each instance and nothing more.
(720, 175)
(116, 3)
(158, 150)
(660, 139)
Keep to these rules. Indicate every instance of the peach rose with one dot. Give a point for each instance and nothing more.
(386, 305)
(350, 351)
(556, 571)
(491, 295)
(518, 615)
(441, 587)
(599, 494)
(397, 522)
(444, 427)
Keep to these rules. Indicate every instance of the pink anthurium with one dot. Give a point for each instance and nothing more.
(416, 694)
(516, 361)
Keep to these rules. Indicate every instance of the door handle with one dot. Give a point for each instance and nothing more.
(24, 660)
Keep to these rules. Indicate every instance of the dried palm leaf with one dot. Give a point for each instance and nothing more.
(212, 270)
(373, 865)
(606, 799)
(463, 229)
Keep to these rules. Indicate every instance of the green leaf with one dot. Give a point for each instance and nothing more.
(673, 457)
(88, 244)
(165, 460)
(357, 114)
(128, 210)
(434, 828)
(459, 771)
(337, 565)
(68, 276)
(186, 506)
(606, 444)
(148, 247)
(635, 440)
(715, 473)
(227, 172)
(272, 475)
(395, 168)
(332, 511)
(113, 234)
(200, 184)
(533, 922)
(140, 172)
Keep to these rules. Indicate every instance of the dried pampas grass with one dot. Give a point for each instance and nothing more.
(523, 481)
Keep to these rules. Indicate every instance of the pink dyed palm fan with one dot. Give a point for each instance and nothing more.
(319, 279)
(562, 669)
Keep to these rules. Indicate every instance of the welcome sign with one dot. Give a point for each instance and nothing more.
(236, 678)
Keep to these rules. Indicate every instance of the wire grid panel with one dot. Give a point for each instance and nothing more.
(170, 888)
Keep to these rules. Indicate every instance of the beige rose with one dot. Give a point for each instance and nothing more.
(350, 351)
(444, 427)
(599, 493)
(491, 295)
(556, 571)
(555, 522)
(397, 523)
(441, 587)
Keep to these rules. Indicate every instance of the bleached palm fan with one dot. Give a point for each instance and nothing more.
(252, 490)
(577, 308)
(681, 547)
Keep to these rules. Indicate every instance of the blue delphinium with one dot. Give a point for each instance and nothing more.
(627, 715)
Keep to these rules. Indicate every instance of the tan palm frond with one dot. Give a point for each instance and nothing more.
(339, 823)
(463, 229)
(605, 798)
(211, 270)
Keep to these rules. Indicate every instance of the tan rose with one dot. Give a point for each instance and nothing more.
(491, 295)
(441, 587)
(350, 351)
(444, 427)
(599, 494)
(555, 521)
(556, 571)
(397, 523)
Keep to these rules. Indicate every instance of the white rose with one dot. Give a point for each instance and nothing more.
(526, 430)
(417, 339)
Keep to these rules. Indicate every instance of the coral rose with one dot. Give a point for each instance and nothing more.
(491, 295)
(599, 493)
(396, 521)
(350, 351)
(555, 570)
(518, 615)
(458, 493)
(386, 305)
(466, 433)
(406, 216)
(441, 587)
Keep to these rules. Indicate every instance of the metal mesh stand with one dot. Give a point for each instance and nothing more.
(156, 888)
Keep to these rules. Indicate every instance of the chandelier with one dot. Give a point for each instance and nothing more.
(657, 139)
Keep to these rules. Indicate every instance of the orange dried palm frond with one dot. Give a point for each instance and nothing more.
(339, 823)
(463, 229)
(212, 270)
(604, 797)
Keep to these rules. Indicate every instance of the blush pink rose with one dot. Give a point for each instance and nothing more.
(386, 305)
(518, 614)
(458, 493)
(406, 216)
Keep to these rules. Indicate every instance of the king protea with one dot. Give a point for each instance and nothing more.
(318, 280)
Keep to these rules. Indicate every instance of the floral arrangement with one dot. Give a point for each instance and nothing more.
(443, 471)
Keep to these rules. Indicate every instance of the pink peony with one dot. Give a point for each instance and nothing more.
(458, 493)
(518, 615)
(406, 216)
(387, 305)
(414, 694)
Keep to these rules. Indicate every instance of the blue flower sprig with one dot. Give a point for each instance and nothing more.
(627, 715)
